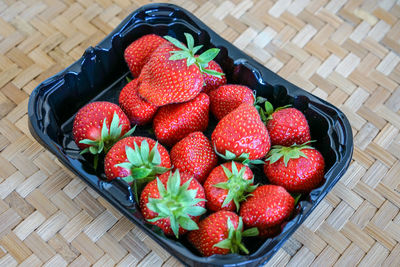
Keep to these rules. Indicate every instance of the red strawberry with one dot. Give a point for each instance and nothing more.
(138, 53)
(165, 81)
(228, 97)
(137, 160)
(267, 208)
(226, 187)
(286, 126)
(213, 82)
(176, 78)
(176, 209)
(98, 125)
(138, 110)
(194, 154)
(241, 133)
(299, 168)
(220, 233)
(174, 122)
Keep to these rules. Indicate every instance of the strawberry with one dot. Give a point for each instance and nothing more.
(228, 97)
(220, 233)
(241, 133)
(176, 78)
(286, 126)
(226, 187)
(194, 154)
(138, 52)
(138, 110)
(173, 122)
(98, 125)
(213, 82)
(176, 209)
(298, 168)
(136, 160)
(267, 208)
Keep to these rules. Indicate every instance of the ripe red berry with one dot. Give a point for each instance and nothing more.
(194, 154)
(173, 74)
(174, 203)
(228, 97)
(227, 185)
(138, 52)
(242, 132)
(286, 126)
(138, 110)
(299, 168)
(267, 208)
(135, 157)
(220, 233)
(98, 126)
(174, 122)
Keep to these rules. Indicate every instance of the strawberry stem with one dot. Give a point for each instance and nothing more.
(95, 161)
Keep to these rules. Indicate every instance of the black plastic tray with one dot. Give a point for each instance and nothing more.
(100, 75)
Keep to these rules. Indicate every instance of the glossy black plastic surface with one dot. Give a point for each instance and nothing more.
(100, 75)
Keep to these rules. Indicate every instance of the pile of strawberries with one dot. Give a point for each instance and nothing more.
(189, 185)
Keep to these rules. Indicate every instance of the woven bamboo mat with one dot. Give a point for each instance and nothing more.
(346, 52)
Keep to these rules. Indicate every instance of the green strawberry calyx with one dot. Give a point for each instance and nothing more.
(238, 187)
(242, 158)
(143, 163)
(108, 137)
(176, 202)
(258, 100)
(287, 152)
(234, 240)
(189, 53)
(268, 109)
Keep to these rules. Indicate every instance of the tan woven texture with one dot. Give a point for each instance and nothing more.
(346, 52)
